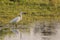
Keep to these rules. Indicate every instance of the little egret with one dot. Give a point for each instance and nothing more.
(17, 19)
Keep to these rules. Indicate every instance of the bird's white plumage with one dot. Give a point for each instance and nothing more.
(17, 19)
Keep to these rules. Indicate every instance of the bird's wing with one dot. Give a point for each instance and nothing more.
(14, 20)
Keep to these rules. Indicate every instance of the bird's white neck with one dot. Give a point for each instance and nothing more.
(21, 16)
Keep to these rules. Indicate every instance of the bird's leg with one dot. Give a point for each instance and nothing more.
(15, 25)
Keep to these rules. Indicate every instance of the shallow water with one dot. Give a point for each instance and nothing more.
(15, 36)
(34, 34)
(28, 36)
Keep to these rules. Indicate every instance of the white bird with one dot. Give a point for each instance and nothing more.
(17, 19)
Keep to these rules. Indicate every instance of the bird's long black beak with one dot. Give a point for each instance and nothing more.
(24, 13)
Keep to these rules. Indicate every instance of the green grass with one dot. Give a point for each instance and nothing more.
(37, 10)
